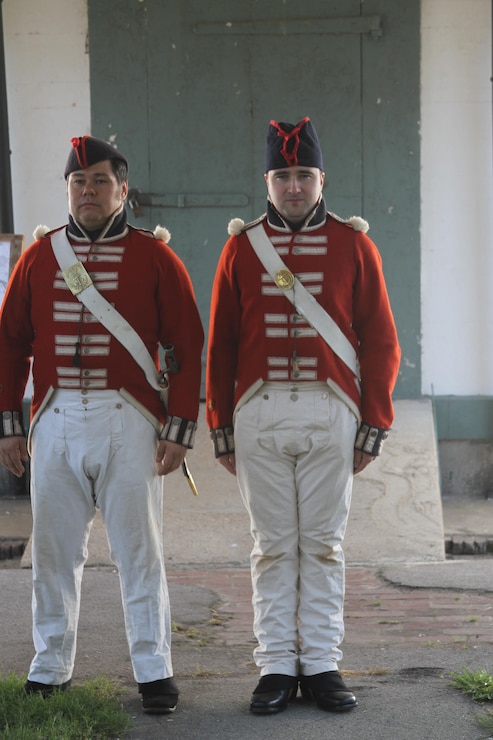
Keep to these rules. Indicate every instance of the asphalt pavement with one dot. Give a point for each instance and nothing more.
(413, 614)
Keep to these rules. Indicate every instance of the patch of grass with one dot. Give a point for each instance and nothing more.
(476, 684)
(218, 620)
(192, 633)
(91, 711)
(486, 721)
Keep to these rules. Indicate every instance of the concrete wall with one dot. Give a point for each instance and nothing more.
(47, 70)
(456, 198)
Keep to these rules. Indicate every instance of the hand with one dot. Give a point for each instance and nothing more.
(361, 460)
(13, 452)
(169, 456)
(228, 462)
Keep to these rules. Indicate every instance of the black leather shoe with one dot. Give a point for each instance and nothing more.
(45, 689)
(272, 693)
(329, 691)
(159, 697)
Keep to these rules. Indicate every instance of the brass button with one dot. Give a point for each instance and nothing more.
(284, 279)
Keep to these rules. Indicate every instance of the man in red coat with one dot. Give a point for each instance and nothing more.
(100, 435)
(302, 360)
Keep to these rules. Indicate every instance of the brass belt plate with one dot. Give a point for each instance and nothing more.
(77, 278)
(284, 279)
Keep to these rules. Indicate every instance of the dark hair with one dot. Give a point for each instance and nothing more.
(120, 170)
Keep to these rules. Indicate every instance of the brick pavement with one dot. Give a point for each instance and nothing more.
(377, 613)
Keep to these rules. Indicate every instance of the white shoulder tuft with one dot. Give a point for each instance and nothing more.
(161, 232)
(358, 223)
(235, 226)
(40, 231)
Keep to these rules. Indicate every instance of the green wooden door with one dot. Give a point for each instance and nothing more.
(186, 89)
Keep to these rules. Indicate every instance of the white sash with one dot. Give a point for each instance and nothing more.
(301, 299)
(81, 285)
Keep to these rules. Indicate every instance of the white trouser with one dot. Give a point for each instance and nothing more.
(88, 451)
(294, 460)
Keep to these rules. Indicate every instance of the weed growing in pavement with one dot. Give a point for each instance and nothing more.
(91, 711)
(476, 684)
(479, 686)
(192, 633)
(486, 721)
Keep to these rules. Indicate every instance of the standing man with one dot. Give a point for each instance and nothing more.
(100, 436)
(303, 356)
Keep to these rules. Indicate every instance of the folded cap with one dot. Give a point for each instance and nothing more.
(292, 145)
(86, 151)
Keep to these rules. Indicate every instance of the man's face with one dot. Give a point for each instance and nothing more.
(94, 194)
(294, 191)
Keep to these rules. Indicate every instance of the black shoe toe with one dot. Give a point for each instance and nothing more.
(159, 697)
(45, 689)
(329, 691)
(273, 693)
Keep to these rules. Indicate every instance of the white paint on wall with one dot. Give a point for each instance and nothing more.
(47, 70)
(457, 198)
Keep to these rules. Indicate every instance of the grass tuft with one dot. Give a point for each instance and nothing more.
(91, 711)
(476, 684)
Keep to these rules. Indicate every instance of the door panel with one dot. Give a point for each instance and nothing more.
(186, 90)
(203, 83)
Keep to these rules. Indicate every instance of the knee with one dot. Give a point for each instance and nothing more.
(322, 551)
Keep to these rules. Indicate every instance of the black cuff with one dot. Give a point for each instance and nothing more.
(181, 431)
(370, 439)
(223, 441)
(12, 424)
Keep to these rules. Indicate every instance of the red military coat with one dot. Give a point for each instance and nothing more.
(41, 319)
(255, 331)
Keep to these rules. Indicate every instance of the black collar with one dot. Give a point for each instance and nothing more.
(115, 227)
(315, 219)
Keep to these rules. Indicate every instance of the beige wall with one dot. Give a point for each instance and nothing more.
(47, 72)
(456, 198)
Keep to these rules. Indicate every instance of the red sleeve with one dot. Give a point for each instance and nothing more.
(224, 325)
(180, 326)
(373, 323)
(16, 334)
